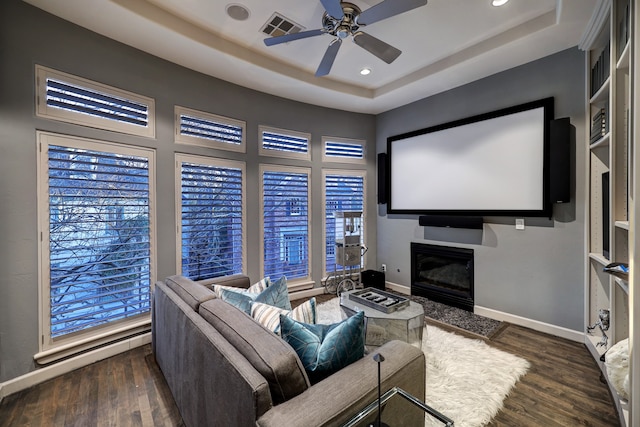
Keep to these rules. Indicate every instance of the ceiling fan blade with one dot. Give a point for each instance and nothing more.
(382, 50)
(387, 9)
(328, 58)
(333, 8)
(293, 36)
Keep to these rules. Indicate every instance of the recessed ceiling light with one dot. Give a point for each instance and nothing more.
(499, 2)
(237, 11)
(365, 71)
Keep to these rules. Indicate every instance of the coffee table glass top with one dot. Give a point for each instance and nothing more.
(395, 403)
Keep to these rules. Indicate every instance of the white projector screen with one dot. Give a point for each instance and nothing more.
(492, 164)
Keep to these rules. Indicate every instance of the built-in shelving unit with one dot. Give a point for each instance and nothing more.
(610, 227)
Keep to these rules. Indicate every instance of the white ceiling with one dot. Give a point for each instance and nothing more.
(444, 44)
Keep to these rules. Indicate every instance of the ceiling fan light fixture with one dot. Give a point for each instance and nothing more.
(340, 20)
(499, 2)
(237, 11)
(365, 71)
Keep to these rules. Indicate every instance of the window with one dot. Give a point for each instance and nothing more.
(72, 99)
(344, 191)
(343, 150)
(209, 130)
(284, 143)
(286, 222)
(95, 210)
(211, 207)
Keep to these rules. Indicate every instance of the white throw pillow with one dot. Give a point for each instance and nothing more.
(256, 288)
(617, 364)
(269, 316)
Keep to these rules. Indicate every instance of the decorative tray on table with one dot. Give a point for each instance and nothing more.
(379, 300)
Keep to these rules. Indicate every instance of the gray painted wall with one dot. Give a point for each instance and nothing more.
(536, 273)
(29, 36)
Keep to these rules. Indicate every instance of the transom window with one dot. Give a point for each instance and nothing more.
(284, 143)
(209, 130)
(343, 150)
(211, 207)
(68, 98)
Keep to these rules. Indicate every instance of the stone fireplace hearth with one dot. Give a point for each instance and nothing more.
(443, 274)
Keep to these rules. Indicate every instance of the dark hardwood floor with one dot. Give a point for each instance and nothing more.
(124, 390)
(562, 388)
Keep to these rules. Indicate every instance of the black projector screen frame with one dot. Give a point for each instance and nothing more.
(492, 164)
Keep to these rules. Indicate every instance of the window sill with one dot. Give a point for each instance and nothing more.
(300, 286)
(63, 351)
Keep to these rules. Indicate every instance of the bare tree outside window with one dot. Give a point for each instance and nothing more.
(99, 238)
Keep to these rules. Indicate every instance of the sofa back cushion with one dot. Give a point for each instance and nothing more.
(268, 353)
(234, 280)
(191, 292)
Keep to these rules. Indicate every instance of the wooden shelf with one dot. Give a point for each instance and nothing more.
(599, 258)
(591, 343)
(602, 142)
(623, 225)
(602, 95)
(623, 62)
(623, 284)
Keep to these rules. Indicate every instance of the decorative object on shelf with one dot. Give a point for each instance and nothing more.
(618, 269)
(599, 124)
(379, 300)
(603, 324)
(349, 253)
(379, 359)
(600, 70)
(623, 30)
(617, 364)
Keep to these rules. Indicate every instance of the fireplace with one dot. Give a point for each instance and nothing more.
(443, 274)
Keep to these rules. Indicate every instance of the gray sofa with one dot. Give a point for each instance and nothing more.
(225, 369)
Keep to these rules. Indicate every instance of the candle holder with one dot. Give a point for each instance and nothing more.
(378, 423)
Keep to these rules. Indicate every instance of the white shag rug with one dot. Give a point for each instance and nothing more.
(467, 380)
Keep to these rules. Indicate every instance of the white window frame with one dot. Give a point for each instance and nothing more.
(351, 172)
(281, 153)
(47, 112)
(51, 350)
(287, 169)
(205, 142)
(337, 159)
(216, 162)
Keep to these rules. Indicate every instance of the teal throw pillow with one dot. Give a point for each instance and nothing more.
(325, 349)
(277, 295)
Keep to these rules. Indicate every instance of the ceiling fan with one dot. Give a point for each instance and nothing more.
(342, 19)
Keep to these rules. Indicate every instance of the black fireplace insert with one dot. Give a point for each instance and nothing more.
(443, 274)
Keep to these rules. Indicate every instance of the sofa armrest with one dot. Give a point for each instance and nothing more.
(235, 280)
(336, 399)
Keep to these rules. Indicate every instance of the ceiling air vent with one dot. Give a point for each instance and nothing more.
(278, 25)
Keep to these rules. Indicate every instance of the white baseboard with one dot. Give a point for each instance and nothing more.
(511, 318)
(536, 325)
(44, 374)
(405, 290)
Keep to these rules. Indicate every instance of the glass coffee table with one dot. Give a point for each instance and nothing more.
(405, 324)
(397, 401)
